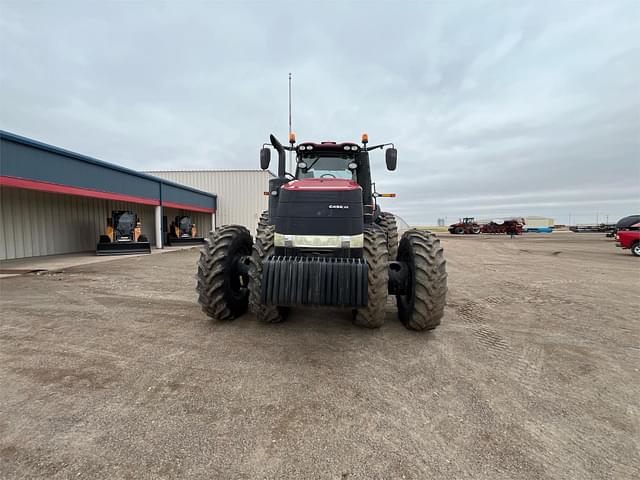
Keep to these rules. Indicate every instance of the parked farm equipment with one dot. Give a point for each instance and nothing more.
(607, 228)
(123, 235)
(509, 227)
(183, 232)
(468, 225)
(465, 225)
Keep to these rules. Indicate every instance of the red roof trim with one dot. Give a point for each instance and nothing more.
(68, 190)
(15, 182)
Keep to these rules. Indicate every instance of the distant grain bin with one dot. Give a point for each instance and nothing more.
(241, 197)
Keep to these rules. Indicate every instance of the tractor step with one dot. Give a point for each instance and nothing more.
(122, 248)
(318, 281)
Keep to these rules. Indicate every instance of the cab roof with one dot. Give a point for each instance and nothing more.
(328, 146)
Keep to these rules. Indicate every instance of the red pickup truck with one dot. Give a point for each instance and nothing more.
(629, 239)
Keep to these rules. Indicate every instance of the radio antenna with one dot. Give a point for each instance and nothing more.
(290, 152)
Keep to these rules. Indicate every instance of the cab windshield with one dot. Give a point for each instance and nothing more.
(327, 167)
(125, 223)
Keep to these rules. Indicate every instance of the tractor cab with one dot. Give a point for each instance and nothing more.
(327, 160)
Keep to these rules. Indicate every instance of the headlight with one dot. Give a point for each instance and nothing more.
(354, 147)
(352, 165)
(347, 147)
(302, 165)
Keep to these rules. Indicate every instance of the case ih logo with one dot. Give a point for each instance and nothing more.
(344, 207)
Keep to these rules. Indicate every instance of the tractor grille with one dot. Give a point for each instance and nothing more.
(315, 281)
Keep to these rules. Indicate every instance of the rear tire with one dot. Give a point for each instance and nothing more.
(388, 223)
(422, 308)
(375, 254)
(221, 293)
(635, 249)
(263, 222)
(261, 250)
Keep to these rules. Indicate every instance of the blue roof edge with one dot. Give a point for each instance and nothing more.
(85, 158)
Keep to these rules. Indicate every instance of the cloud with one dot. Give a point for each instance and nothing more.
(496, 108)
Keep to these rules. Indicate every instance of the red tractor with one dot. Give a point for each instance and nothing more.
(324, 242)
(466, 225)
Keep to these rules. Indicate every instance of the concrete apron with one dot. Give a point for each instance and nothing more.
(48, 263)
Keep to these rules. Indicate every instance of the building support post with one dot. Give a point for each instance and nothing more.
(158, 224)
(213, 221)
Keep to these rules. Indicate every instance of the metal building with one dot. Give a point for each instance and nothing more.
(539, 222)
(54, 201)
(241, 197)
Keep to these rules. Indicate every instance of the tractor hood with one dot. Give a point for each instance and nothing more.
(318, 206)
(322, 185)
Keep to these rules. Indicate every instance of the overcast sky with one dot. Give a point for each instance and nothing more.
(496, 108)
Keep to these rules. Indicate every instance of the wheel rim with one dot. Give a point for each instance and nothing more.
(234, 286)
(406, 302)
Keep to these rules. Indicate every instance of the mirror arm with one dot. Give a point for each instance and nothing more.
(380, 146)
(265, 145)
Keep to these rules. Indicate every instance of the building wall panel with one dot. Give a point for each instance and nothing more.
(240, 193)
(38, 223)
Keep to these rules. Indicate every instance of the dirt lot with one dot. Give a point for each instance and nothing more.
(111, 370)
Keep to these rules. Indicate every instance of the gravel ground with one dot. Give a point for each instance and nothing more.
(112, 371)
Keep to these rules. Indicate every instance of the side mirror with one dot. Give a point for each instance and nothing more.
(391, 156)
(265, 158)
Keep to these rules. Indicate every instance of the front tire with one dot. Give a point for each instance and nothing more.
(222, 290)
(458, 230)
(422, 308)
(635, 249)
(262, 249)
(376, 255)
(388, 223)
(263, 222)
